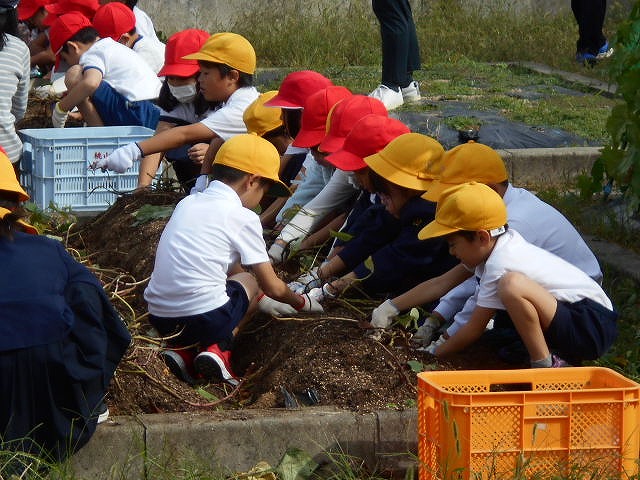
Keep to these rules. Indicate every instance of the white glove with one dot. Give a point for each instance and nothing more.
(426, 332)
(58, 116)
(276, 253)
(383, 315)
(317, 294)
(311, 304)
(201, 183)
(296, 286)
(273, 307)
(310, 279)
(433, 346)
(120, 159)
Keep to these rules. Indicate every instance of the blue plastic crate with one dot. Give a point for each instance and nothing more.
(56, 163)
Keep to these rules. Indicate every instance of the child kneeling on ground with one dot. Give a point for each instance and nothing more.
(199, 294)
(554, 305)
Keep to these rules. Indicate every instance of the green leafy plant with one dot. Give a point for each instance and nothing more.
(148, 213)
(620, 160)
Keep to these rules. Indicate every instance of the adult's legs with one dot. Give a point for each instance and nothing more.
(589, 15)
(400, 51)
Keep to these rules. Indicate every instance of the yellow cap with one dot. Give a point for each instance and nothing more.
(25, 226)
(469, 162)
(253, 154)
(471, 206)
(260, 119)
(405, 160)
(8, 180)
(228, 48)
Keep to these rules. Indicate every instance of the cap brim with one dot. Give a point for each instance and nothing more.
(435, 229)
(278, 189)
(199, 56)
(346, 161)
(279, 102)
(183, 71)
(308, 138)
(434, 192)
(28, 228)
(392, 174)
(27, 13)
(331, 144)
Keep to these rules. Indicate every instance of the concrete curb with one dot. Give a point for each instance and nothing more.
(548, 167)
(150, 446)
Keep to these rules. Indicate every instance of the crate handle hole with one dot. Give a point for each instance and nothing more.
(511, 387)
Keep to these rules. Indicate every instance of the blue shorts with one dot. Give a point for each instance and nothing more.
(583, 330)
(115, 110)
(207, 328)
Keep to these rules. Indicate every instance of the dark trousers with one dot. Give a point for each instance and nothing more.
(400, 51)
(589, 15)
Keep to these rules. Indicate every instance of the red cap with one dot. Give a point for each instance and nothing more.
(314, 117)
(114, 20)
(345, 116)
(369, 135)
(63, 28)
(28, 8)
(86, 7)
(181, 44)
(297, 87)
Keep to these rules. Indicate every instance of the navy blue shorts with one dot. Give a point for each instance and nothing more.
(115, 110)
(583, 330)
(207, 328)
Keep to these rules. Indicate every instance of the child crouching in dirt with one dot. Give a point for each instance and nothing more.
(199, 295)
(553, 304)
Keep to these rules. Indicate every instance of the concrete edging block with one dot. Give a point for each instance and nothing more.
(548, 166)
(236, 440)
(116, 451)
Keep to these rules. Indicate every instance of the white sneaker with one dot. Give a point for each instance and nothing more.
(391, 98)
(411, 93)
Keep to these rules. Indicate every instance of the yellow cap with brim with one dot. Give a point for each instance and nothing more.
(8, 180)
(471, 206)
(227, 48)
(405, 160)
(25, 226)
(469, 162)
(260, 119)
(254, 155)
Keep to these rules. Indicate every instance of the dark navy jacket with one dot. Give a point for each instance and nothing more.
(403, 261)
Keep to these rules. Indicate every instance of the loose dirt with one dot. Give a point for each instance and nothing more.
(328, 358)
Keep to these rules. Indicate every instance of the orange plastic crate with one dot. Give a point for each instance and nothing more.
(534, 423)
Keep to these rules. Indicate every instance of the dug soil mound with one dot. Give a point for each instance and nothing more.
(321, 359)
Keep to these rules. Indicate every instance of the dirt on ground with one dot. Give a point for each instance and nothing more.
(325, 359)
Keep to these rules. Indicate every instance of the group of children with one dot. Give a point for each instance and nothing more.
(417, 223)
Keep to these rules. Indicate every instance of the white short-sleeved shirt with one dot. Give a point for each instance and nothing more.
(123, 69)
(152, 52)
(512, 253)
(144, 25)
(207, 233)
(227, 121)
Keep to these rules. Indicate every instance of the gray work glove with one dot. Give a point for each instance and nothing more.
(426, 332)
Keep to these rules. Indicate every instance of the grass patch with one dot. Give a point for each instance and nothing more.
(337, 34)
